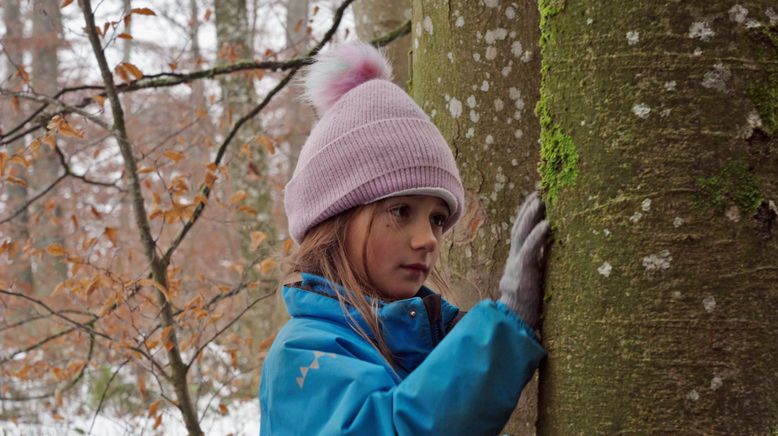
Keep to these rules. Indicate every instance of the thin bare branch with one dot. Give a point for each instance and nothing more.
(68, 386)
(102, 395)
(227, 326)
(39, 98)
(33, 199)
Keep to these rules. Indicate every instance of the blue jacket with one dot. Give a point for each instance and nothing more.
(320, 377)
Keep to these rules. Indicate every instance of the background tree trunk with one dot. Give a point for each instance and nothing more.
(20, 271)
(374, 18)
(476, 73)
(661, 162)
(250, 172)
(46, 31)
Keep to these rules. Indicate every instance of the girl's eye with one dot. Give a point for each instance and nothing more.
(399, 211)
(439, 220)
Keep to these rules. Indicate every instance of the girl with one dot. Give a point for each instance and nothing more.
(369, 349)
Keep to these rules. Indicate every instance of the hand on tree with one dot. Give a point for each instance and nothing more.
(521, 284)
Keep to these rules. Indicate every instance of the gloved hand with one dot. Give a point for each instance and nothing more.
(521, 284)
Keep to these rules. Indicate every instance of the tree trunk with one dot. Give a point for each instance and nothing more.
(660, 161)
(374, 18)
(238, 97)
(248, 173)
(46, 30)
(127, 43)
(20, 271)
(475, 71)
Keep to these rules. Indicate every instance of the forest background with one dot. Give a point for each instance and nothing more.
(144, 146)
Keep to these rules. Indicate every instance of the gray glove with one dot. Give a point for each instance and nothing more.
(521, 284)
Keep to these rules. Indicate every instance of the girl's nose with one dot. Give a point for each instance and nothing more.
(423, 237)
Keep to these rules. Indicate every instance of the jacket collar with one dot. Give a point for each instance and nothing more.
(409, 330)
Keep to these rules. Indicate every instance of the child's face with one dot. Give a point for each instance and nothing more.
(403, 244)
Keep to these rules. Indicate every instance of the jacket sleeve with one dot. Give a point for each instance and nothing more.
(468, 385)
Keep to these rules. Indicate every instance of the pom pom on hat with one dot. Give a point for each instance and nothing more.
(341, 69)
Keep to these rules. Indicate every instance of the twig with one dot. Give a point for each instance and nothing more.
(105, 391)
(228, 325)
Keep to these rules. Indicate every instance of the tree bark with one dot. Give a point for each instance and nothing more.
(374, 18)
(475, 71)
(21, 268)
(46, 31)
(238, 98)
(660, 162)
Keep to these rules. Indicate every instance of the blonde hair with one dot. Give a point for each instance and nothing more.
(323, 251)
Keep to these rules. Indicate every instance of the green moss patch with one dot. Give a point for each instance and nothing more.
(733, 185)
(558, 155)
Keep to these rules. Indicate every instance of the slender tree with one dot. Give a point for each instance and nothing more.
(476, 73)
(660, 165)
(46, 31)
(21, 267)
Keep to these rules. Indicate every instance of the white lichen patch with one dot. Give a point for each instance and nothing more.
(514, 93)
(485, 86)
(636, 217)
(450, 56)
(641, 110)
(489, 139)
(772, 16)
(518, 133)
(738, 14)
(477, 57)
(527, 56)
(717, 77)
(514, 162)
(633, 37)
(428, 25)
(505, 71)
(670, 85)
(754, 120)
(606, 232)
(455, 107)
(470, 133)
(474, 116)
(646, 205)
(510, 13)
(697, 51)
(498, 104)
(693, 395)
(678, 222)
(701, 30)
(498, 34)
(657, 262)
(491, 3)
(459, 22)
(471, 101)
(589, 21)
(715, 383)
(605, 269)
(491, 52)
(733, 213)
(516, 48)
(709, 303)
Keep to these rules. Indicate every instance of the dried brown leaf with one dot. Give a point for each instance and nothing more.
(142, 11)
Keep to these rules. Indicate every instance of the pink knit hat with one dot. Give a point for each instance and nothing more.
(372, 142)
